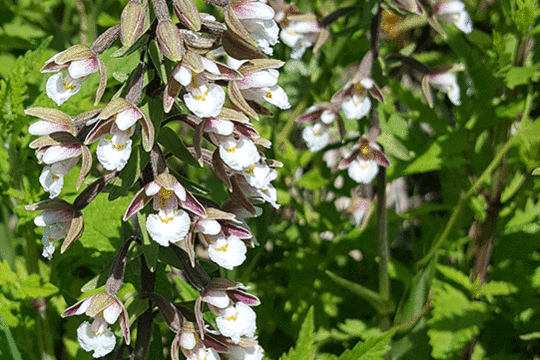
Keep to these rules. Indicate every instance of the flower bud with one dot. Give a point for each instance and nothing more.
(132, 22)
(187, 13)
(170, 40)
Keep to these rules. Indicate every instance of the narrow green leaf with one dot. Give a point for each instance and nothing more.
(304, 349)
(128, 50)
(171, 142)
(9, 338)
(373, 298)
(149, 246)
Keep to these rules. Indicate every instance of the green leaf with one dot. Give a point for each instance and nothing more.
(394, 147)
(128, 50)
(149, 246)
(372, 349)
(34, 286)
(155, 351)
(521, 75)
(304, 349)
(497, 288)
(171, 142)
(6, 275)
(312, 180)
(9, 339)
(455, 320)
(456, 276)
(130, 173)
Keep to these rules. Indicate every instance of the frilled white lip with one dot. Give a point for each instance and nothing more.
(170, 229)
(237, 321)
(363, 171)
(58, 92)
(113, 156)
(316, 137)
(228, 252)
(356, 107)
(101, 344)
(447, 82)
(206, 104)
(238, 154)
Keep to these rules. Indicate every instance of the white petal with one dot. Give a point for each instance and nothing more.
(363, 171)
(101, 344)
(328, 117)
(210, 66)
(218, 298)
(208, 104)
(260, 175)
(152, 188)
(228, 253)
(463, 22)
(125, 119)
(43, 127)
(183, 75)
(80, 68)
(172, 229)
(50, 182)
(253, 10)
(209, 227)
(112, 312)
(355, 109)
(240, 154)
(187, 340)
(263, 78)
(242, 353)
(58, 92)
(58, 153)
(220, 127)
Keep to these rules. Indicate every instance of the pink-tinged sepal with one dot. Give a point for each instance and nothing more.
(139, 201)
(193, 205)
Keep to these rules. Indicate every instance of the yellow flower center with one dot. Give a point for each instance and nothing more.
(250, 169)
(232, 317)
(68, 87)
(164, 194)
(54, 176)
(223, 248)
(165, 221)
(268, 95)
(118, 147)
(202, 97)
(231, 150)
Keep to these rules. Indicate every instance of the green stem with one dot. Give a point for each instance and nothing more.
(473, 189)
(382, 246)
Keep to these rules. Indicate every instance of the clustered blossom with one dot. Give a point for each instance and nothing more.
(220, 101)
(453, 12)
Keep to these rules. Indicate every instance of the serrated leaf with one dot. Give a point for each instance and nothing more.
(497, 288)
(521, 75)
(129, 174)
(456, 276)
(171, 142)
(6, 275)
(304, 349)
(371, 349)
(34, 286)
(455, 320)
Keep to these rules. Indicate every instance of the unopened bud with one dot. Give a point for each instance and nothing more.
(187, 13)
(170, 40)
(132, 23)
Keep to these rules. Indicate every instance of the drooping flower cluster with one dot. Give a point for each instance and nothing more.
(220, 101)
